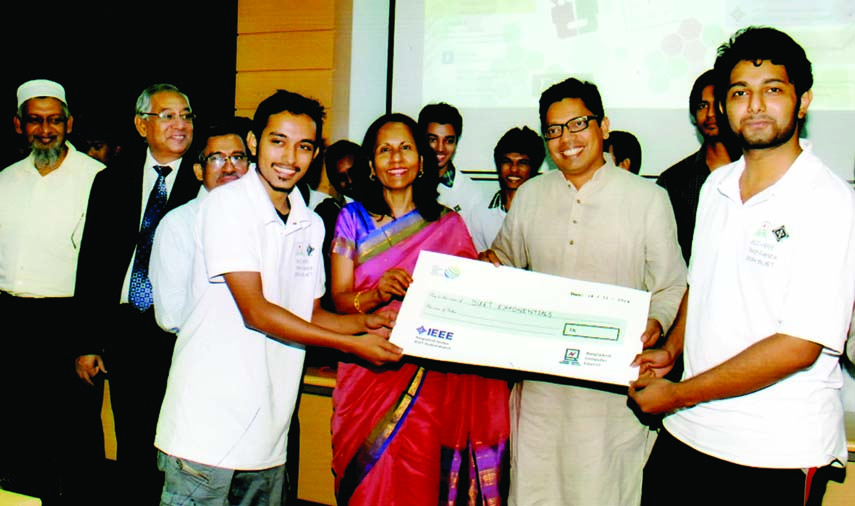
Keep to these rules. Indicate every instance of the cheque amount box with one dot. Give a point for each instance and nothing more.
(592, 331)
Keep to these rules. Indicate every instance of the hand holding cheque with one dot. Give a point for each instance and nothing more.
(467, 311)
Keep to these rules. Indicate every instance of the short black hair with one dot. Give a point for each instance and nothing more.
(228, 127)
(624, 146)
(296, 104)
(338, 150)
(571, 87)
(703, 80)
(424, 187)
(442, 113)
(524, 141)
(758, 43)
(342, 149)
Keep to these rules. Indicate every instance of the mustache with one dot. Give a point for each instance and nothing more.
(755, 117)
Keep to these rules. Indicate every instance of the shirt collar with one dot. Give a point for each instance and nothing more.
(298, 216)
(795, 179)
(150, 162)
(496, 201)
(600, 177)
(447, 179)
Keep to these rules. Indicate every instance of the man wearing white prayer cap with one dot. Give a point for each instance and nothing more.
(51, 440)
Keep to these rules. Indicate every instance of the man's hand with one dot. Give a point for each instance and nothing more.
(656, 363)
(376, 349)
(381, 322)
(489, 255)
(393, 282)
(652, 333)
(88, 366)
(655, 395)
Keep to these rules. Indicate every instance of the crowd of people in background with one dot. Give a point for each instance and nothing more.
(188, 271)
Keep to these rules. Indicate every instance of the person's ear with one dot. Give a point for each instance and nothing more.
(197, 169)
(141, 125)
(804, 103)
(251, 142)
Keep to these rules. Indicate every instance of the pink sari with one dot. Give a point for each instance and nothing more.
(409, 434)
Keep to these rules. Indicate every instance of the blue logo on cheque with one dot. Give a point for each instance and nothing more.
(437, 333)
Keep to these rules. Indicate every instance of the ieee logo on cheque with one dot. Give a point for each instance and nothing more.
(437, 333)
(571, 356)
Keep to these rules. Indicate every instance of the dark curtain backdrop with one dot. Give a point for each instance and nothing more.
(106, 52)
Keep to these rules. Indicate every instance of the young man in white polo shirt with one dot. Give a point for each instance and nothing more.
(257, 282)
(762, 327)
(442, 124)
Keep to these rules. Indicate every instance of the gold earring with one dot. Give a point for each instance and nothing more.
(372, 176)
(421, 172)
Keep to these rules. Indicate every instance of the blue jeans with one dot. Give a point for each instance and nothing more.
(190, 483)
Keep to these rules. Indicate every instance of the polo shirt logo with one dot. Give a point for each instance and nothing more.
(780, 233)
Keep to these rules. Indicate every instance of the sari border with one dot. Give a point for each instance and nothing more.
(379, 439)
(392, 234)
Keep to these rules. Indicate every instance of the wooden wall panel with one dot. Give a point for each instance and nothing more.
(316, 482)
(259, 16)
(285, 51)
(253, 87)
(285, 44)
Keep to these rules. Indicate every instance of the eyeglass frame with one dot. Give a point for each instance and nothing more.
(566, 125)
(218, 160)
(164, 116)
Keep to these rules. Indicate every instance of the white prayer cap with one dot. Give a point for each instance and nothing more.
(40, 88)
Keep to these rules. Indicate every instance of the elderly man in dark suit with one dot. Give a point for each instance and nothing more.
(117, 329)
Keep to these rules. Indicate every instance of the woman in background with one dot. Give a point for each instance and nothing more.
(412, 433)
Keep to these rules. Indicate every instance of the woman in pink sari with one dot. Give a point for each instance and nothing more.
(414, 433)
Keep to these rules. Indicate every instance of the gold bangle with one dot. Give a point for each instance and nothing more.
(356, 301)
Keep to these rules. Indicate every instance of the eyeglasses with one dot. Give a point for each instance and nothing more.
(217, 160)
(170, 116)
(577, 124)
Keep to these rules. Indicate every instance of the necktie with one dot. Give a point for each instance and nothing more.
(140, 292)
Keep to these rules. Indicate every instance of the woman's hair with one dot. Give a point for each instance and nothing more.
(424, 186)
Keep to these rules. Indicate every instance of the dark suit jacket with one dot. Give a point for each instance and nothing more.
(109, 239)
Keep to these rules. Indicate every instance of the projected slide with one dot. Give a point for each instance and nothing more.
(492, 59)
(484, 53)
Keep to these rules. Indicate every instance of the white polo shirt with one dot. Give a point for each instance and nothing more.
(485, 221)
(783, 262)
(463, 196)
(232, 390)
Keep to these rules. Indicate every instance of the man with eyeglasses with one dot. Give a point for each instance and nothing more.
(222, 159)
(579, 443)
(116, 313)
(42, 211)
